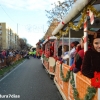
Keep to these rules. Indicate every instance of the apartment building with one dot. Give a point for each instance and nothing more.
(8, 39)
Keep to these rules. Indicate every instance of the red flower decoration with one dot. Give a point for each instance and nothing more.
(61, 62)
(47, 56)
(95, 82)
(55, 58)
(71, 68)
(43, 52)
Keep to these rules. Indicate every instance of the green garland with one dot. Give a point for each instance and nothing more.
(75, 92)
(42, 55)
(91, 91)
(65, 79)
(45, 58)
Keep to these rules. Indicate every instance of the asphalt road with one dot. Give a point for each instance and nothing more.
(28, 81)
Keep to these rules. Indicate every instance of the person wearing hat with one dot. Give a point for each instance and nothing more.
(91, 61)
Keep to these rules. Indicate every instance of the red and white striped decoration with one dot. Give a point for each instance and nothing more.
(91, 17)
(85, 36)
(63, 23)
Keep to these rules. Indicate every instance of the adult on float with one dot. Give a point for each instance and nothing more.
(65, 53)
(91, 62)
(79, 55)
(72, 53)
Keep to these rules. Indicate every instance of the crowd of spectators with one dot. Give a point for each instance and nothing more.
(6, 54)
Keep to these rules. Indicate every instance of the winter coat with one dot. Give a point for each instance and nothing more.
(91, 63)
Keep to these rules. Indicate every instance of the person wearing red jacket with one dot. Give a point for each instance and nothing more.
(79, 56)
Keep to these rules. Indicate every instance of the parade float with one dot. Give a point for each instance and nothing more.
(39, 49)
(51, 48)
(47, 58)
(83, 15)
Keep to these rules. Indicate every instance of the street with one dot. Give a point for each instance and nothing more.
(28, 81)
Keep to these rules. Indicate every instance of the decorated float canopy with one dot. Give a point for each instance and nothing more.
(65, 41)
(76, 16)
(50, 38)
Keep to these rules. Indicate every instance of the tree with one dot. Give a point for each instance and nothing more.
(28, 46)
(23, 44)
(59, 10)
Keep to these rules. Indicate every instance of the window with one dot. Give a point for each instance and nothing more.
(0, 31)
(0, 27)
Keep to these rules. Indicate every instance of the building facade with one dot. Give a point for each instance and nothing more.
(51, 28)
(8, 39)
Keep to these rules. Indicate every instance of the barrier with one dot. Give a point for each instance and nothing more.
(82, 83)
(9, 60)
(49, 64)
(52, 65)
(66, 88)
(62, 86)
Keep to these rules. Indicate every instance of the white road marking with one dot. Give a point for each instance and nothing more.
(11, 71)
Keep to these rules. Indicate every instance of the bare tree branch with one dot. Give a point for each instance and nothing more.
(59, 10)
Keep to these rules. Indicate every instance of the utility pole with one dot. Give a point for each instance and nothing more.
(17, 28)
(17, 37)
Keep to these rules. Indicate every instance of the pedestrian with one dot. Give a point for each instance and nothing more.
(34, 52)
